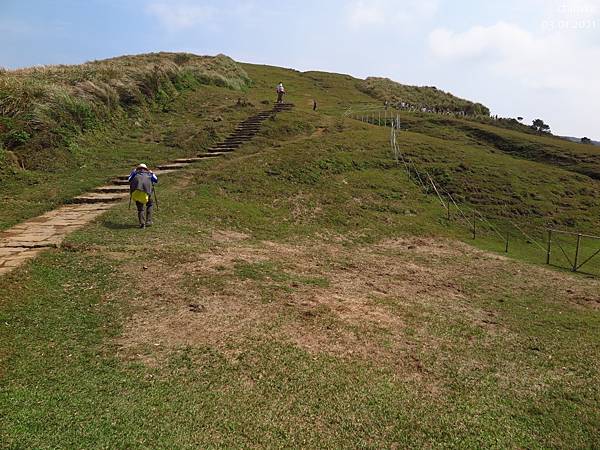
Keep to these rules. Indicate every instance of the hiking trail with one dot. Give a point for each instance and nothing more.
(26, 240)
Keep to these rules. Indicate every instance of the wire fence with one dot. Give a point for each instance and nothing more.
(577, 252)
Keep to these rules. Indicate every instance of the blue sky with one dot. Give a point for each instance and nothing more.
(530, 58)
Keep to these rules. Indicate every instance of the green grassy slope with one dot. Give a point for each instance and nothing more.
(302, 291)
(509, 183)
(82, 125)
(508, 174)
(43, 109)
(326, 316)
(576, 157)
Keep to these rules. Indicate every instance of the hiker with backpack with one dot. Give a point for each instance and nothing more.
(280, 92)
(141, 187)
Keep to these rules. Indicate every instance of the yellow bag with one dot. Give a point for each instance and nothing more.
(140, 196)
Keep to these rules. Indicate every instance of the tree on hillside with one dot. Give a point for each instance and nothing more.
(586, 140)
(520, 119)
(540, 126)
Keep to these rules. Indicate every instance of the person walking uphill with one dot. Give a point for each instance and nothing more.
(141, 187)
(280, 92)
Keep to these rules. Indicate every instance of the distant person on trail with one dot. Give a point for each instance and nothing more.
(280, 92)
(141, 187)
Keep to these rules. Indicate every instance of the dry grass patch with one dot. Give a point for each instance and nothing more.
(386, 303)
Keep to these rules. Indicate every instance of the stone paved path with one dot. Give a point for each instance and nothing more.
(26, 240)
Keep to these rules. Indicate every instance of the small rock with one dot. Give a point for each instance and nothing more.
(145, 267)
(195, 308)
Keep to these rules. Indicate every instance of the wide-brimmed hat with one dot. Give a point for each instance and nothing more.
(142, 166)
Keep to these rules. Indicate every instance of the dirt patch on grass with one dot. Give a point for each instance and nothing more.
(229, 236)
(392, 302)
(319, 132)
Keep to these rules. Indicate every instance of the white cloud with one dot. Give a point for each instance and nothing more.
(479, 42)
(369, 13)
(181, 16)
(558, 63)
(550, 60)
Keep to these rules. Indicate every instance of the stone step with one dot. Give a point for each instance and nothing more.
(211, 154)
(120, 181)
(121, 187)
(221, 150)
(100, 197)
(173, 166)
(197, 158)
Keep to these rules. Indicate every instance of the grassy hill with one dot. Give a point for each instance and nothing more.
(303, 291)
(43, 109)
(428, 97)
(66, 129)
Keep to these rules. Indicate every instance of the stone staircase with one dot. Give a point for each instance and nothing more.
(118, 189)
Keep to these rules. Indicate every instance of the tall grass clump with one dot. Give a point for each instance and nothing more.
(44, 107)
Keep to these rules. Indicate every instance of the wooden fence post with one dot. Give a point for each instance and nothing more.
(549, 247)
(576, 263)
